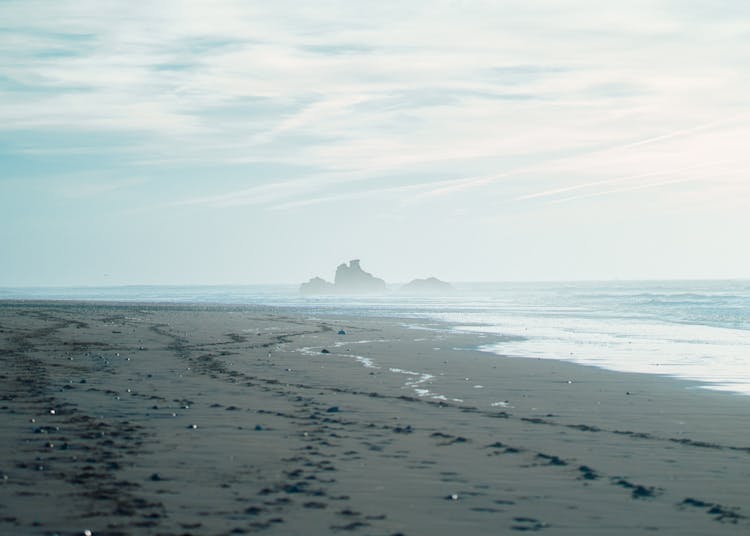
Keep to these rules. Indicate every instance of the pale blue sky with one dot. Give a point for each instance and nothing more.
(249, 142)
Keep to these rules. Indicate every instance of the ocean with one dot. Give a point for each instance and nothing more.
(695, 330)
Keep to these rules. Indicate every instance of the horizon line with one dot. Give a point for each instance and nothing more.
(458, 282)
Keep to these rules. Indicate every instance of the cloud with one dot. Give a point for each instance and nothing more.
(649, 185)
(361, 194)
(256, 195)
(97, 188)
(684, 132)
(509, 97)
(627, 178)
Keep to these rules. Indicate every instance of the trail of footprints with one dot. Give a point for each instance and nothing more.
(73, 447)
(310, 477)
(380, 442)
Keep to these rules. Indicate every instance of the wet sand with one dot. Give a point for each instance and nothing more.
(149, 419)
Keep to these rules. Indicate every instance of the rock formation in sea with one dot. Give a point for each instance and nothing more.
(350, 279)
(317, 286)
(431, 285)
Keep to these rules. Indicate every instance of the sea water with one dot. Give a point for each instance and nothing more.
(697, 330)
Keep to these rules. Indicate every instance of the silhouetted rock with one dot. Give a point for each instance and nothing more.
(317, 286)
(431, 285)
(352, 279)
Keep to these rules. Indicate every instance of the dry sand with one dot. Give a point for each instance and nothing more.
(146, 419)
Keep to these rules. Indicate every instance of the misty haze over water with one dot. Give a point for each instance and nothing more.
(690, 329)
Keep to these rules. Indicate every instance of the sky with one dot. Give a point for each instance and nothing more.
(240, 142)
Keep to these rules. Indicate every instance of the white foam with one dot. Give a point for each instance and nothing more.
(418, 382)
(316, 350)
(365, 361)
(338, 344)
(711, 354)
(501, 405)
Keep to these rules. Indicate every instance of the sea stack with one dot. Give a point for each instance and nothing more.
(431, 285)
(350, 279)
(317, 285)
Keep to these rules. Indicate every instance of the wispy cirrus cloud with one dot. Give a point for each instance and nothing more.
(627, 178)
(358, 194)
(284, 115)
(652, 184)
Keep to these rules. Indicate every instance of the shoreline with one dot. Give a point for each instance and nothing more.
(289, 439)
(702, 384)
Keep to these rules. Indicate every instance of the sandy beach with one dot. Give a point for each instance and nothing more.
(171, 419)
